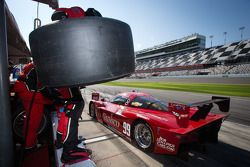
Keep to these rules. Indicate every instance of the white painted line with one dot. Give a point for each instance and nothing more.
(97, 139)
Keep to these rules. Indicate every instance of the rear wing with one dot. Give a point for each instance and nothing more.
(197, 111)
(204, 107)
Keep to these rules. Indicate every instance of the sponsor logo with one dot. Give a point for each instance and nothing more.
(120, 111)
(111, 120)
(176, 114)
(161, 142)
(180, 107)
(180, 115)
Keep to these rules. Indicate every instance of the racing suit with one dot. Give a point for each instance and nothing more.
(27, 89)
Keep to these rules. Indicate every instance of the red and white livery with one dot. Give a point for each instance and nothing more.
(156, 126)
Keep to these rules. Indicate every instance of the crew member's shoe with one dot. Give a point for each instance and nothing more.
(75, 155)
(59, 144)
(81, 140)
(78, 149)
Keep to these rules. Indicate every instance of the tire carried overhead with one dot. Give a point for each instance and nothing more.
(82, 51)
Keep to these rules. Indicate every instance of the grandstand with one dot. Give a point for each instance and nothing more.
(193, 58)
(187, 44)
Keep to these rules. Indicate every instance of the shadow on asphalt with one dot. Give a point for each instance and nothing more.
(220, 154)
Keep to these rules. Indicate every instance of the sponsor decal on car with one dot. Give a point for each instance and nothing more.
(180, 107)
(111, 120)
(180, 115)
(120, 111)
(162, 142)
(136, 104)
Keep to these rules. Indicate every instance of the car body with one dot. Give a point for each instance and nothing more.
(157, 126)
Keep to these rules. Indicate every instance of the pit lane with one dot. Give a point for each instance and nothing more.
(110, 150)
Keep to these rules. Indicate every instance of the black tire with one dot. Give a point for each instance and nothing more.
(18, 124)
(92, 109)
(86, 50)
(143, 136)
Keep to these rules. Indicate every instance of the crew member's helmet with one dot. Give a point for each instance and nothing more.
(73, 12)
(62, 13)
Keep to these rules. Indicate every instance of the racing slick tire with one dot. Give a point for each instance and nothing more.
(82, 51)
(92, 110)
(143, 136)
(18, 124)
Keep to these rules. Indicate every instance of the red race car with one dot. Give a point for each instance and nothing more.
(156, 126)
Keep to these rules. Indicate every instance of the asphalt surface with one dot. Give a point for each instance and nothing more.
(109, 150)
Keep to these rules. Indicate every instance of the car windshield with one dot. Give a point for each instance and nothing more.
(120, 100)
(149, 103)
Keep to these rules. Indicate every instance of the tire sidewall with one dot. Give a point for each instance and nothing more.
(19, 137)
(92, 110)
(151, 147)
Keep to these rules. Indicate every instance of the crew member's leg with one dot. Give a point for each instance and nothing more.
(70, 150)
(61, 129)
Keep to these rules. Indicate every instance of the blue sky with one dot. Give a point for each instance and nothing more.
(154, 22)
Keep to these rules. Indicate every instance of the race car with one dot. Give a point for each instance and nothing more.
(157, 126)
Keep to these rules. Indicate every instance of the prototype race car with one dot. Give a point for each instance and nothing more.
(157, 126)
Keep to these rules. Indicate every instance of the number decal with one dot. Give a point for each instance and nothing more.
(126, 128)
(127, 102)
